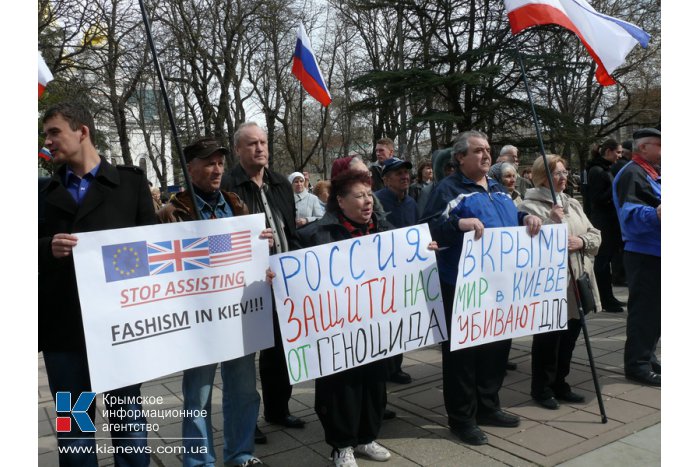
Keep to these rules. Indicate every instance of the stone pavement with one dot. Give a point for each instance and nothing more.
(572, 436)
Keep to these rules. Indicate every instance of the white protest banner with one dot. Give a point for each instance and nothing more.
(352, 302)
(510, 285)
(162, 298)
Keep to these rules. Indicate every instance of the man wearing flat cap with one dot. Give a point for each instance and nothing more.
(241, 401)
(637, 198)
(401, 211)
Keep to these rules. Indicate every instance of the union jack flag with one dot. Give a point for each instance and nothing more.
(230, 248)
(178, 255)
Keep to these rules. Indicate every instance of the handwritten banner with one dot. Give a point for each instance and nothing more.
(163, 298)
(510, 285)
(349, 303)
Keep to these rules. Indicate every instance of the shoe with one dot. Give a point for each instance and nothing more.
(290, 421)
(571, 397)
(548, 403)
(343, 457)
(471, 435)
(374, 451)
(656, 367)
(613, 306)
(511, 366)
(498, 418)
(650, 378)
(400, 377)
(252, 462)
(260, 437)
(389, 414)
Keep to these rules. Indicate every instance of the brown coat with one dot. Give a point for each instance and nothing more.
(180, 209)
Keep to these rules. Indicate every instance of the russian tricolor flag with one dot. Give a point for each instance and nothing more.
(305, 68)
(45, 154)
(44, 75)
(607, 39)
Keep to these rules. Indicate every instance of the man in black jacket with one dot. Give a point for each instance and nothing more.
(85, 194)
(267, 192)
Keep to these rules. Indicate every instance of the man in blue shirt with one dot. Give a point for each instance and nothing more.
(85, 194)
(240, 398)
(401, 211)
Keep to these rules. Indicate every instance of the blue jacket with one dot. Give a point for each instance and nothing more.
(457, 197)
(398, 213)
(636, 195)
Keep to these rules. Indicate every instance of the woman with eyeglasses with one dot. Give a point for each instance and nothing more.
(350, 404)
(551, 351)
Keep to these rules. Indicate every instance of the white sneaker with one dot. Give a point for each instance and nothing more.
(344, 457)
(374, 451)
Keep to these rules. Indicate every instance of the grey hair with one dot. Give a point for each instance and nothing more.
(508, 166)
(241, 127)
(461, 144)
(499, 169)
(508, 148)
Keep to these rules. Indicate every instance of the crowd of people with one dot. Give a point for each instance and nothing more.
(463, 190)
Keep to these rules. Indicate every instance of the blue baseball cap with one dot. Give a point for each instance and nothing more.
(395, 164)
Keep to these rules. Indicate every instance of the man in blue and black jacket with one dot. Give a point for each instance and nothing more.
(464, 201)
(637, 198)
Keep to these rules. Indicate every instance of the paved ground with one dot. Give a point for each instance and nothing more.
(571, 436)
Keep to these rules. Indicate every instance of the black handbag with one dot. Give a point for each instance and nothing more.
(585, 292)
(584, 286)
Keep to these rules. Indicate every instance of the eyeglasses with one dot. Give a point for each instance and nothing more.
(561, 173)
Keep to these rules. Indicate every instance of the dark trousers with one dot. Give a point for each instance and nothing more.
(276, 390)
(643, 311)
(551, 360)
(611, 242)
(618, 267)
(68, 372)
(394, 364)
(471, 377)
(350, 404)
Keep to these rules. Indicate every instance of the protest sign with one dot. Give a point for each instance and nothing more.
(162, 298)
(510, 285)
(352, 302)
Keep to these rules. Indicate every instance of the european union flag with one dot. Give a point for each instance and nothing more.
(125, 261)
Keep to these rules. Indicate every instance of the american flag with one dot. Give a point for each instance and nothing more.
(178, 255)
(230, 248)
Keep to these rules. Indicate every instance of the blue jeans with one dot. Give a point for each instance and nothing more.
(68, 371)
(240, 404)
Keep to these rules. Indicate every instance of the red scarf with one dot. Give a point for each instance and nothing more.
(648, 168)
(354, 229)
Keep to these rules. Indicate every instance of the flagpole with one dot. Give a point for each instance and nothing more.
(164, 92)
(581, 314)
(301, 118)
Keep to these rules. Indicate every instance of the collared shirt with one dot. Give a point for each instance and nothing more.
(219, 211)
(78, 187)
